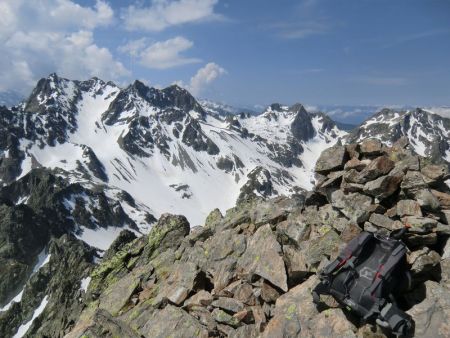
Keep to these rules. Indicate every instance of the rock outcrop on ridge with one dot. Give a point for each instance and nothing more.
(250, 272)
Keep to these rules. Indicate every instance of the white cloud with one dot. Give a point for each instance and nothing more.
(299, 29)
(40, 37)
(133, 47)
(161, 54)
(165, 13)
(204, 76)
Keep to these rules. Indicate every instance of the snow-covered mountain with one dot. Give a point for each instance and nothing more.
(220, 108)
(428, 132)
(170, 153)
(161, 146)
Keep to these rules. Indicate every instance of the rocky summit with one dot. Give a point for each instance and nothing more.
(250, 272)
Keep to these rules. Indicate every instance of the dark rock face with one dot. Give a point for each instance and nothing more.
(259, 183)
(60, 288)
(194, 137)
(302, 127)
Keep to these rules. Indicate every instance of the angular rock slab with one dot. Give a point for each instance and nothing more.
(296, 315)
(431, 316)
(173, 322)
(263, 258)
(355, 206)
(331, 159)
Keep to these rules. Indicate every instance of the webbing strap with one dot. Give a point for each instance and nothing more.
(353, 248)
(398, 320)
(385, 269)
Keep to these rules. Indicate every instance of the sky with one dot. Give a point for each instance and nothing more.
(242, 52)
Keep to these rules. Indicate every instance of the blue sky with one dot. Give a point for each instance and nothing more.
(375, 52)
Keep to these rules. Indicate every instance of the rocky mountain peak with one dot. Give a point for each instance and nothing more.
(298, 108)
(302, 127)
(427, 132)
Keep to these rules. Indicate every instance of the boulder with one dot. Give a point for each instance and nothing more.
(385, 222)
(246, 331)
(370, 147)
(263, 258)
(412, 182)
(296, 315)
(356, 164)
(173, 322)
(427, 199)
(201, 298)
(380, 166)
(408, 208)
(419, 225)
(331, 159)
(223, 317)
(228, 304)
(435, 172)
(432, 314)
(424, 262)
(384, 186)
(443, 198)
(346, 204)
(167, 233)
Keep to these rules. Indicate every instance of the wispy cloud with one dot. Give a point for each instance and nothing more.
(298, 30)
(161, 14)
(305, 21)
(416, 36)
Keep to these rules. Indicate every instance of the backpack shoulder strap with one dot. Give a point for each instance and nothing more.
(385, 269)
(353, 248)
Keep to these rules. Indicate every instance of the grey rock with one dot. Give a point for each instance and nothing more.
(263, 258)
(296, 315)
(443, 199)
(427, 199)
(385, 222)
(173, 321)
(201, 298)
(419, 225)
(228, 304)
(331, 159)
(413, 182)
(431, 315)
(378, 167)
(423, 261)
(221, 316)
(384, 186)
(435, 172)
(346, 204)
(370, 147)
(408, 208)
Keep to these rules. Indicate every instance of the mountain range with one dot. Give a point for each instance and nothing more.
(81, 161)
(173, 153)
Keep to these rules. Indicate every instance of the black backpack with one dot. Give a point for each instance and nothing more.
(364, 278)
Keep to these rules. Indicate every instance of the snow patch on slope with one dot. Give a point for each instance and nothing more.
(37, 312)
